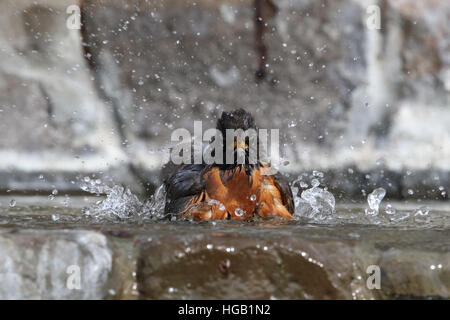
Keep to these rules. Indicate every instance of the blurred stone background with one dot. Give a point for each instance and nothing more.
(369, 108)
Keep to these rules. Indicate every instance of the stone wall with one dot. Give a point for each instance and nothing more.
(367, 107)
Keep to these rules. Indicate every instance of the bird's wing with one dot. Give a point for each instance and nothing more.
(183, 186)
(285, 191)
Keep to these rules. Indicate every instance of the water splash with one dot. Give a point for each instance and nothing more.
(154, 207)
(121, 203)
(389, 209)
(421, 215)
(314, 203)
(374, 199)
(399, 217)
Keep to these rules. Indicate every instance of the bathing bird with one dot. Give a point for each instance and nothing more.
(235, 190)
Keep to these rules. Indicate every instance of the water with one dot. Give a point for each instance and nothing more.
(121, 204)
(315, 203)
(374, 199)
(314, 206)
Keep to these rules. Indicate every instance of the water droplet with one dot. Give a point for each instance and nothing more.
(374, 200)
(389, 209)
(315, 183)
(55, 217)
(304, 184)
(354, 235)
(253, 197)
(239, 212)
(421, 215)
(317, 174)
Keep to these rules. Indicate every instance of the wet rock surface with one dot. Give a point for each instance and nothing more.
(61, 264)
(205, 262)
(234, 266)
(302, 263)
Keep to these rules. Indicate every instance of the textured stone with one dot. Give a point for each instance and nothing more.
(107, 97)
(52, 118)
(222, 260)
(341, 93)
(292, 263)
(258, 270)
(35, 264)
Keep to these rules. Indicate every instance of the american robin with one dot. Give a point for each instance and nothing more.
(234, 190)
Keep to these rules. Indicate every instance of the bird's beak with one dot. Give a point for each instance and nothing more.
(242, 145)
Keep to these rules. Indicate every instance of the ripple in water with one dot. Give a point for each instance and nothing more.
(315, 205)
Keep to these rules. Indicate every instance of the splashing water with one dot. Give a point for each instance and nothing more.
(374, 199)
(399, 216)
(421, 215)
(315, 203)
(154, 207)
(121, 203)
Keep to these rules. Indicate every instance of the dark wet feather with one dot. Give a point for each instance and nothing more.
(286, 193)
(183, 186)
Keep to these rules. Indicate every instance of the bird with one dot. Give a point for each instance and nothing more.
(228, 191)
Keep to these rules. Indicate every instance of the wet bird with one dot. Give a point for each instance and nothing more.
(236, 190)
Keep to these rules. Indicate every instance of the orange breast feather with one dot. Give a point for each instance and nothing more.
(239, 198)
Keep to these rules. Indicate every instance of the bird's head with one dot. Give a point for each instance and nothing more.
(235, 121)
